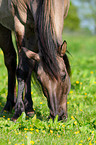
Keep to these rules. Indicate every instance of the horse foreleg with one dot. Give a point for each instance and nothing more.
(10, 62)
(27, 99)
(21, 77)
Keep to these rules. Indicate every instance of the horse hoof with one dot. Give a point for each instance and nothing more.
(8, 107)
(15, 117)
(30, 113)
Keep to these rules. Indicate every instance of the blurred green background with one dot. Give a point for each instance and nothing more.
(81, 17)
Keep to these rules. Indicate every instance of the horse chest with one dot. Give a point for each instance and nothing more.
(6, 18)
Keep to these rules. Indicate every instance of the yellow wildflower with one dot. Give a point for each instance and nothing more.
(77, 132)
(31, 129)
(67, 102)
(92, 132)
(8, 118)
(59, 136)
(31, 93)
(25, 128)
(51, 131)
(41, 103)
(63, 125)
(81, 141)
(32, 142)
(72, 117)
(77, 82)
(90, 143)
(75, 122)
(85, 93)
(89, 138)
(43, 131)
(91, 72)
(37, 130)
(71, 92)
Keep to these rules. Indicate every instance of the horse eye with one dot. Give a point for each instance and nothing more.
(63, 77)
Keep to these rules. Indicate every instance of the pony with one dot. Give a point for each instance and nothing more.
(38, 26)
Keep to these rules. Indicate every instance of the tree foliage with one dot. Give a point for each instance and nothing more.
(72, 21)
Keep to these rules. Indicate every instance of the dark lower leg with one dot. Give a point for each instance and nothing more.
(27, 99)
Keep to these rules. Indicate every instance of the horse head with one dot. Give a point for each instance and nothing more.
(55, 90)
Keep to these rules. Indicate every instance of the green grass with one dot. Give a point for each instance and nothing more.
(80, 128)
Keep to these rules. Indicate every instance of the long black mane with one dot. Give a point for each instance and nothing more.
(48, 43)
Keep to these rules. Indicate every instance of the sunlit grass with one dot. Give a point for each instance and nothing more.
(80, 128)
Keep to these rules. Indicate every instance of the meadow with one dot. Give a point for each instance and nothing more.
(80, 127)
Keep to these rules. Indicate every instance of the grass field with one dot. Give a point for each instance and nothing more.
(80, 128)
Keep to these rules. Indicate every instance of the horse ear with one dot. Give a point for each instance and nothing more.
(63, 48)
(31, 55)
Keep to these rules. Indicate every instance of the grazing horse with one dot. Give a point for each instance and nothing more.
(38, 26)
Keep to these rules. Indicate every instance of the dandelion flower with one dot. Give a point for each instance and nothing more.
(92, 132)
(51, 131)
(43, 131)
(67, 102)
(90, 143)
(25, 128)
(77, 132)
(59, 136)
(31, 132)
(32, 142)
(8, 118)
(77, 82)
(41, 103)
(71, 92)
(91, 72)
(31, 129)
(37, 130)
(72, 118)
(81, 110)
(89, 138)
(75, 122)
(63, 125)
(81, 141)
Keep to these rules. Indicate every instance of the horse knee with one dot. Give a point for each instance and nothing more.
(21, 74)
